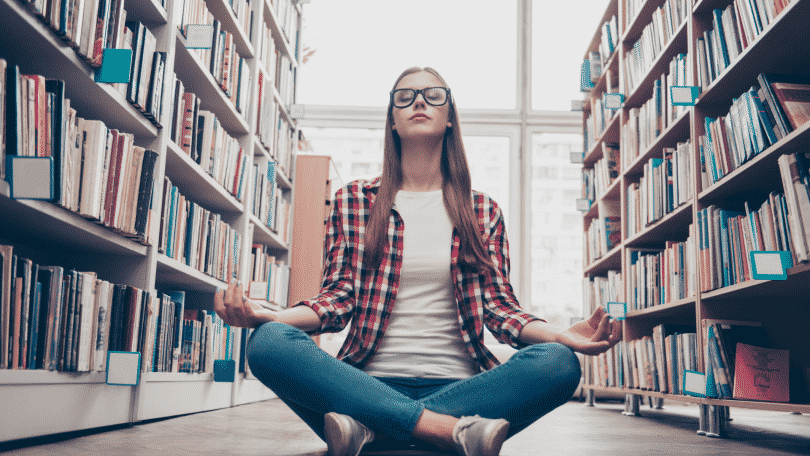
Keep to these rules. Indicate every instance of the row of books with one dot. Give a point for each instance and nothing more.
(646, 122)
(269, 52)
(599, 117)
(738, 356)
(97, 172)
(267, 123)
(287, 16)
(596, 180)
(265, 192)
(222, 59)
(609, 40)
(733, 30)
(203, 339)
(661, 276)
(666, 19)
(285, 141)
(147, 71)
(760, 117)
(61, 319)
(598, 290)
(727, 237)
(269, 277)
(664, 186)
(604, 231)
(199, 134)
(88, 26)
(197, 237)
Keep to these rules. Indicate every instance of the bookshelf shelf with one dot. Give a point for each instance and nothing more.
(57, 228)
(278, 34)
(154, 377)
(678, 307)
(610, 261)
(770, 49)
(199, 185)
(797, 284)
(780, 306)
(672, 225)
(761, 173)
(199, 80)
(643, 90)
(223, 13)
(612, 192)
(264, 235)
(677, 130)
(44, 377)
(173, 274)
(609, 135)
(147, 11)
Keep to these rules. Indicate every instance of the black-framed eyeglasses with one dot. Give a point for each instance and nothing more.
(434, 96)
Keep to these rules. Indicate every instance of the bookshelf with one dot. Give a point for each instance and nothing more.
(49, 234)
(665, 42)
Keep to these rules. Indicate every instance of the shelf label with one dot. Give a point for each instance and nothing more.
(614, 100)
(224, 370)
(576, 105)
(30, 177)
(577, 157)
(683, 95)
(770, 265)
(115, 64)
(123, 368)
(199, 36)
(694, 383)
(617, 310)
(583, 205)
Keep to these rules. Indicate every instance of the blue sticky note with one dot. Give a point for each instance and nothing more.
(613, 100)
(683, 95)
(30, 177)
(224, 370)
(770, 265)
(199, 36)
(694, 383)
(577, 157)
(123, 368)
(616, 310)
(115, 64)
(583, 205)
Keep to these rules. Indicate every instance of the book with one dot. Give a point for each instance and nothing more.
(795, 101)
(761, 374)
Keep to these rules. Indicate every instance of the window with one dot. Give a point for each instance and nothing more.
(546, 172)
(358, 57)
(482, 153)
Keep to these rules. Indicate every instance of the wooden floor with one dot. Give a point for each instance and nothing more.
(271, 429)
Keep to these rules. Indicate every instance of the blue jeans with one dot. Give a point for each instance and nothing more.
(536, 380)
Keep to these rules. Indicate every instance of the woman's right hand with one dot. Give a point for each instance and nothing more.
(236, 310)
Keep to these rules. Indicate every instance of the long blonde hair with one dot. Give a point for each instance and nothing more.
(455, 189)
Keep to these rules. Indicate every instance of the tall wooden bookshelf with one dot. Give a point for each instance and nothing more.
(781, 306)
(51, 402)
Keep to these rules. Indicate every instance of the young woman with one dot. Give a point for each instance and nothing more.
(417, 264)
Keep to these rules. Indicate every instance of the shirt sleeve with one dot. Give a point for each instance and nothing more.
(336, 301)
(502, 313)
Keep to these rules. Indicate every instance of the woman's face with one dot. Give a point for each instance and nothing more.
(421, 119)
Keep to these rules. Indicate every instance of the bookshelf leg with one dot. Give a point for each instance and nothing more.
(589, 397)
(704, 419)
(717, 421)
(631, 405)
(659, 403)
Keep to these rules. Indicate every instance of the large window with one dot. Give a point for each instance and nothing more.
(361, 47)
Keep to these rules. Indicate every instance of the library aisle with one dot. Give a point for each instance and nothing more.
(270, 428)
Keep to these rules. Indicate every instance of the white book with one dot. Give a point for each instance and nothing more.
(792, 198)
(101, 327)
(95, 143)
(133, 187)
(88, 38)
(88, 301)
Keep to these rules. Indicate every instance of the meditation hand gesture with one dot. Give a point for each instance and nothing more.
(593, 336)
(236, 310)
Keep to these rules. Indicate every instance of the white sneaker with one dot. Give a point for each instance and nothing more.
(476, 436)
(345, 436)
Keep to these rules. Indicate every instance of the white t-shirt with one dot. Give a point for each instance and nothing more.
(423, 337)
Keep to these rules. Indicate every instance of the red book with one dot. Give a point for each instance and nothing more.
(795, 101)
(761, 374)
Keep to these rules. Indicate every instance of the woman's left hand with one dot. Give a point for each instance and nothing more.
(593, 336)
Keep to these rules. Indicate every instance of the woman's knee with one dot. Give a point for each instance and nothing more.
(269, 340)
(560, 361)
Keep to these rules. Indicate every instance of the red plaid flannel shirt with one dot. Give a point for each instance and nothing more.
(350, 292)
